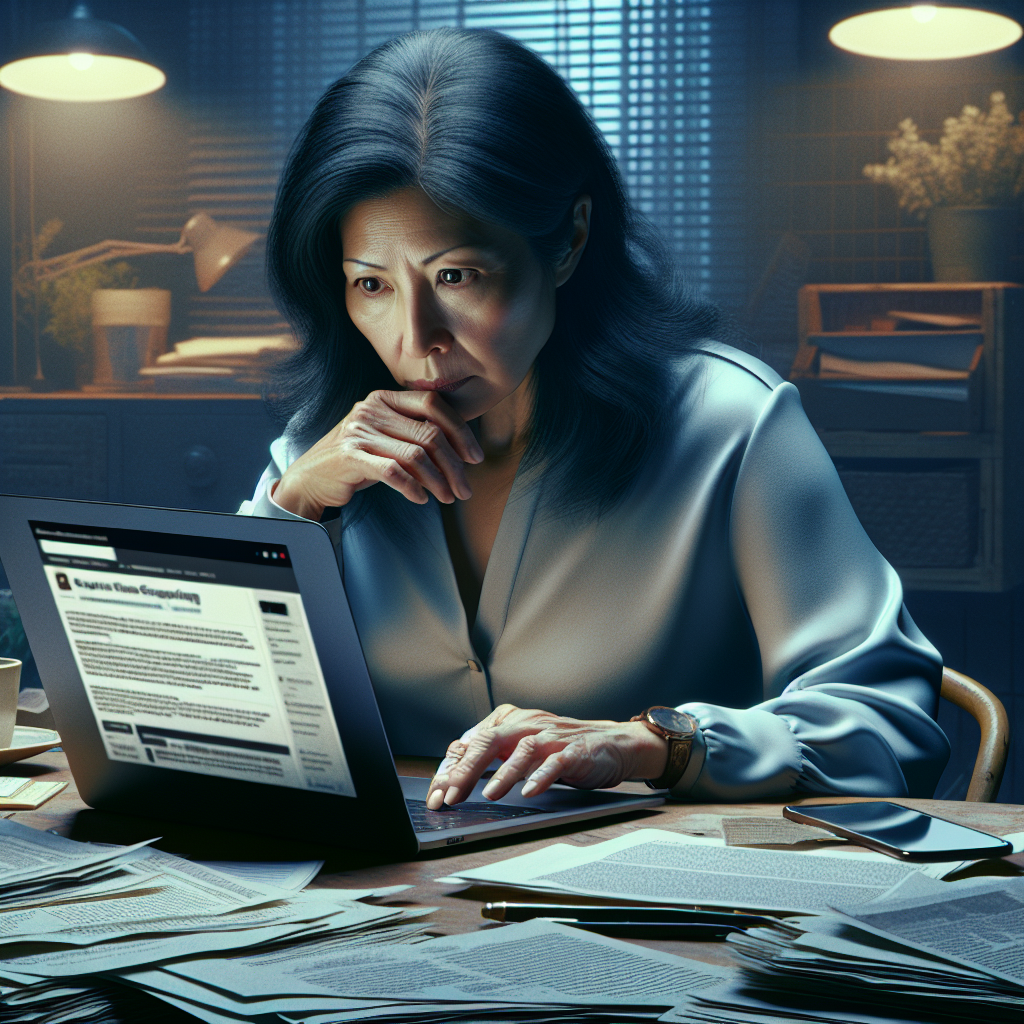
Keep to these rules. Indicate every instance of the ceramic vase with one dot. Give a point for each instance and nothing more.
(973, 243)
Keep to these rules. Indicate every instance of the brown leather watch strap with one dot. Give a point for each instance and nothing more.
(680, 744)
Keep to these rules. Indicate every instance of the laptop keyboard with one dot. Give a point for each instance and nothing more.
(462, 815)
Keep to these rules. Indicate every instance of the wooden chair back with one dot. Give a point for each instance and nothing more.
(985, 706)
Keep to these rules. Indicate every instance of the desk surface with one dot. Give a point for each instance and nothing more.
(458, 911)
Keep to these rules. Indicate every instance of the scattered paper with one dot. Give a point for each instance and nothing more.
(536, 962)
(291, 875)
(35, 794)
(751, 831)
(953, 953)
(666, 867)
(9, 787)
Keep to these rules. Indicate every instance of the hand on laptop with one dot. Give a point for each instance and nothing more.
(543, 749)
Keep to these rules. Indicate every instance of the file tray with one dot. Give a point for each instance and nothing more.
(883, 392)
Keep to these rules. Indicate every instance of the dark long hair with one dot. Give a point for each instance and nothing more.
(483, 125)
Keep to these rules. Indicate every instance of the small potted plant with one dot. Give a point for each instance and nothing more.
(969, 185)
(61, 308)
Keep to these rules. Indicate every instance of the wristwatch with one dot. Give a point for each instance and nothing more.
(679, 728)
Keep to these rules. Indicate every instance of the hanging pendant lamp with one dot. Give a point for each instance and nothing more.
(82, 60)
(925, 32)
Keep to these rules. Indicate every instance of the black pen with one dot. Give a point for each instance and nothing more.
(695, 931)
(677, 916)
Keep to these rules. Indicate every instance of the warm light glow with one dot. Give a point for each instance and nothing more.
(80, 61)
(59, 77)
(925, 32)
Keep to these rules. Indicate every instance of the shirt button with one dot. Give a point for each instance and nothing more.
(473, 666)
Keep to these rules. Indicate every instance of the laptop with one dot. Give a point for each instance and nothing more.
(205, 667)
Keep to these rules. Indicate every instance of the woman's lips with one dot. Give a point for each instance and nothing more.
(441, 384)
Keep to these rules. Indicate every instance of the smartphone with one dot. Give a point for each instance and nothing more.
(901, 832)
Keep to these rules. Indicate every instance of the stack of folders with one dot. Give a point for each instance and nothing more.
(893, 380)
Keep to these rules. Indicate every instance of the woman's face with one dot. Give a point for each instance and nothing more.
(449, 303)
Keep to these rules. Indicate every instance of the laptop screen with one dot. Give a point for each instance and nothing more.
(195, 654)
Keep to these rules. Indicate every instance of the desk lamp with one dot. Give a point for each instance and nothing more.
(925, 32)
(215, 249)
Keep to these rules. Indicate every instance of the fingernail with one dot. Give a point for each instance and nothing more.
(466, 492)
(451, 795)
(435, 799)
(529, 788)
(490, 788)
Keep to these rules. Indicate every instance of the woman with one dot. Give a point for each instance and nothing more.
(554, 492)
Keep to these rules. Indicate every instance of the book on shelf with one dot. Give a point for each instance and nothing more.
(219, 364)
(832, 367)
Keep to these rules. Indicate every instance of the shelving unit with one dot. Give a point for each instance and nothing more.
(177, 451)
(945, 507)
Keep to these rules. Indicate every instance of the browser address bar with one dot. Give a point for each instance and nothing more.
(63, 547)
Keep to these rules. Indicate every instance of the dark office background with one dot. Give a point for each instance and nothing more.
(740, 130)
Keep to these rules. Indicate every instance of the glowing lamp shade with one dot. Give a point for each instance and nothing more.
(82, 60)
(925, 32)
(81, 77)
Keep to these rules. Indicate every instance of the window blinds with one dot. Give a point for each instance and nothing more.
(665, 81)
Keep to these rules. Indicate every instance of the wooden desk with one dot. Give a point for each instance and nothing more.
(459, 910)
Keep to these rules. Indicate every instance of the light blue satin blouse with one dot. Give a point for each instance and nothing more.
(735, 582)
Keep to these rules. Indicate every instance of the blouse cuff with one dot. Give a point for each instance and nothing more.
(330, 521)
(264, 505)
(749, 755)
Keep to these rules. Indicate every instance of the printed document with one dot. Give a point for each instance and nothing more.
(666, 867)
(981, 927)
(532, 962)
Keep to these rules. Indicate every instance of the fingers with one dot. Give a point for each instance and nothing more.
(439, 784)
(483, 747)
(443, 788)
(540, 759)
(429, 405)
(422, 435)
(548, 773)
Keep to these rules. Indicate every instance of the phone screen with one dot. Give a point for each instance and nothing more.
(909, 834)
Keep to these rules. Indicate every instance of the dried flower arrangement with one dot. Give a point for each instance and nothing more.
(979, 161)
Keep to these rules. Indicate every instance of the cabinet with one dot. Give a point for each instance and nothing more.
(177, 451)
(943, 505)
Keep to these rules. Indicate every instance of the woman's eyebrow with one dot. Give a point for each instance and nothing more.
(430, 259)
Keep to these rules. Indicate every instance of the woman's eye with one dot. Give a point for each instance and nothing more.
(451, 276)
(370, 285)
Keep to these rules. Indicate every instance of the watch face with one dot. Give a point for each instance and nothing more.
(671, 721)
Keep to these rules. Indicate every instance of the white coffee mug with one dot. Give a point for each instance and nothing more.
(10, 680)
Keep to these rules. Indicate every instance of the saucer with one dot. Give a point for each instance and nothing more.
(28, 741)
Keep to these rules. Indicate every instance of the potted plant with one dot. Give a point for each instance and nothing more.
(68, 301)
(63, 305)
(969, 186)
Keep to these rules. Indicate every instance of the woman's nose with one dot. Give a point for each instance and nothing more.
(425, 329)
